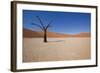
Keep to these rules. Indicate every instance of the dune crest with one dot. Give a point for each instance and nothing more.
(36, 34)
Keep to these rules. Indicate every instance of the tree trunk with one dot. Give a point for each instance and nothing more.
(45, 36)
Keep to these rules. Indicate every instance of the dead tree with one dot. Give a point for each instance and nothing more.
(43, 27)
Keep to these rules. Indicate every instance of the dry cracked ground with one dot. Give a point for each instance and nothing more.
(56, 49)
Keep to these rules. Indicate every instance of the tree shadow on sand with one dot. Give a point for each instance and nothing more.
(56, 40)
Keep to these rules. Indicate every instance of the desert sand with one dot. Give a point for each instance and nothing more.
(39, 34)
(56, 49)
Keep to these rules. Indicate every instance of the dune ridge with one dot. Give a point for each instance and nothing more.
(36, 34)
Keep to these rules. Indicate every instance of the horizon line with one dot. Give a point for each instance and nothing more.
(57, 32)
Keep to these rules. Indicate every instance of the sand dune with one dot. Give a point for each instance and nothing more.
(34, 34)
(29, 33)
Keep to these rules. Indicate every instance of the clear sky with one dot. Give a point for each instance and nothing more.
(63, 22)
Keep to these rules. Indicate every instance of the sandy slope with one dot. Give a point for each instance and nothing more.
(34, 49)
(38, 34)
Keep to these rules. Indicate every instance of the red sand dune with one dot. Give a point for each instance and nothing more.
(32, 34)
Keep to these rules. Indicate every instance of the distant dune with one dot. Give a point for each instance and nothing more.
(36, 34)
(30, 33)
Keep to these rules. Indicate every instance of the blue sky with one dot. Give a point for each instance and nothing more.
(63, 22)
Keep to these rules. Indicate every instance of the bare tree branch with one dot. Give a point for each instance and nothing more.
(41, 22)
(38, 26)
(49, 25)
